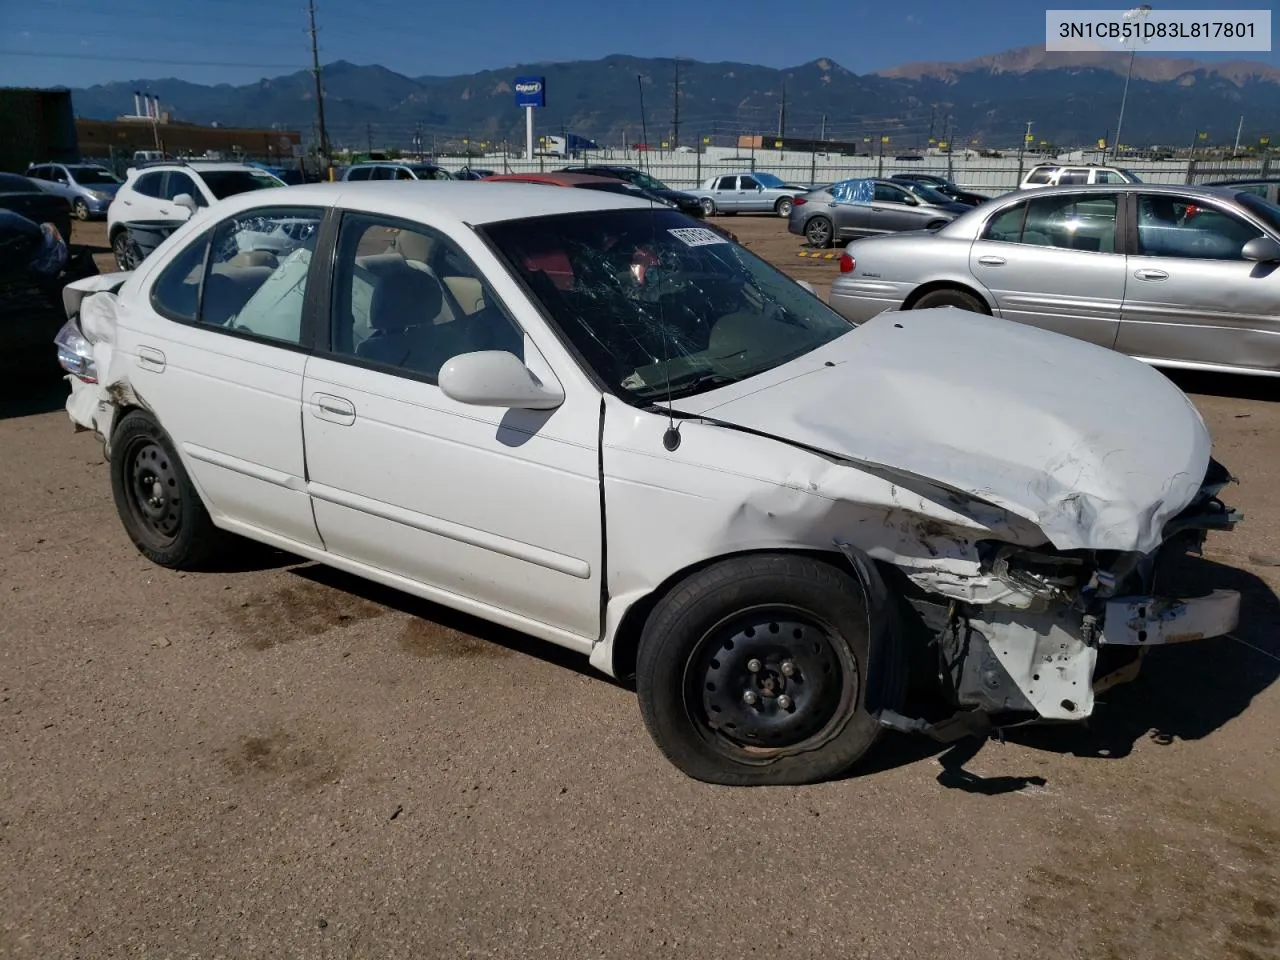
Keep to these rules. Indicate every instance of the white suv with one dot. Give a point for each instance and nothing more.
(173, 191)
(1063, 175)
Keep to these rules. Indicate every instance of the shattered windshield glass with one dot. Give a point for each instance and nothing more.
(654, 302)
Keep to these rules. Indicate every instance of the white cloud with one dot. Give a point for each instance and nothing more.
(912, 18)
(25, 34)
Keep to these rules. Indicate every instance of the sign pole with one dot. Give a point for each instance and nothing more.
(528, 132)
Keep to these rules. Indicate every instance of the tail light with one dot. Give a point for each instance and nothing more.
(847, 263)
(799, 202)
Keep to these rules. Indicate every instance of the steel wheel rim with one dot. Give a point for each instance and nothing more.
(152, 491)
(784, 208)
(770, 682)
(82, 210)
(708, 208)
(819, 233)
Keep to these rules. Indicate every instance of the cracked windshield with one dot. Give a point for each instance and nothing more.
(653, 303)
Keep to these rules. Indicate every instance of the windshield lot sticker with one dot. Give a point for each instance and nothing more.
(696, 236)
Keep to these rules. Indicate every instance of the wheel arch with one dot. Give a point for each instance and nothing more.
(934, 285)
(885, 677)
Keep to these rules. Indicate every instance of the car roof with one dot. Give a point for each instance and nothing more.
(462, 201)
(1241, 182)
(199, 166)
(557, 178)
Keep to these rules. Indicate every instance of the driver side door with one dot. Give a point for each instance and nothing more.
(490, 510)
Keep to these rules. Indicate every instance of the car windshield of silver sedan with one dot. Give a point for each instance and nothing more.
(656, 304)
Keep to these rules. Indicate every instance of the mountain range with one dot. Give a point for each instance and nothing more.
(1071, 98)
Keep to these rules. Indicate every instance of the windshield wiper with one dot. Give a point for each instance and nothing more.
(685, 386)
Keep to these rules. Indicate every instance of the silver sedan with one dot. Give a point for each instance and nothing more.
(1176, 276)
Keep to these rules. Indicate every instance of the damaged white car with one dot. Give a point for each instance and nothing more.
(607, 426)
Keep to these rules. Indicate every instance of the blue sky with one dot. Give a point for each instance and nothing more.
(82, 42)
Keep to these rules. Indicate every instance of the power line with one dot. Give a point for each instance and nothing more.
(156, 60)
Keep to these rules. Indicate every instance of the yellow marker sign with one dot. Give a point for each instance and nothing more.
(1204, 136)
(942, 145)
(778, 144)
(1030, 138)
(866, 139)
(1102, 144)
(884, 139)
(664, 144)
(1264, 140)
(706, 139)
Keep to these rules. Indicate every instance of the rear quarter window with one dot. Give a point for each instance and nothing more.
(1039, 176)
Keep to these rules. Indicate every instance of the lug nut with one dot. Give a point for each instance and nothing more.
(784, 702)
(750, 698)
(754, 665)
(788, 668)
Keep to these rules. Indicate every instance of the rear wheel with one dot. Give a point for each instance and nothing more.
(157, 503)
(950, 297)
(819, 232)
(783, 207)
(754, 671)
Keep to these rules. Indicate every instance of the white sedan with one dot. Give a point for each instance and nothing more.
(600, 423)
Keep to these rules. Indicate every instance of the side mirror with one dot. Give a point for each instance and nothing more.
(186, 201)
(1261, 249)
(496, 378)
(808, 286)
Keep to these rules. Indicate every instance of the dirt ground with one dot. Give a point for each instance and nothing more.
(284, 761)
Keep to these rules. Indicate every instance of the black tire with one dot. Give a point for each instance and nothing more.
(950, 297)
(819, 232)
(125, 253)
(157, 503)
(81, 210)
(761, 626)
(708, 207)
(783, 207)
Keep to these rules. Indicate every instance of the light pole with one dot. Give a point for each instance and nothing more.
(1131, 16)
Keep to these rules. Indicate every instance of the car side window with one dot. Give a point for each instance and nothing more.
(149, 184)
(381, 173)
(403, 174)
(747, 183)
(887, 193)
(407, 299)
(727, 183)
(1073, 222)
(176, 291)
(1173, 226)
(179, 183)
(1038, 176)
(358, 173)
(1073, 178)
(1006, 226)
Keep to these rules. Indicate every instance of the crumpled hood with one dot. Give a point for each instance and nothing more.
(1099, 450)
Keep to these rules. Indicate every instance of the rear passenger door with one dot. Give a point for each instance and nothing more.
(485, 509)
(219, 358)
(751, 195)
(145, 198)
(1053, 261)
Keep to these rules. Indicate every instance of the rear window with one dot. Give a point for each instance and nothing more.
(227, 183)
(1039, 175)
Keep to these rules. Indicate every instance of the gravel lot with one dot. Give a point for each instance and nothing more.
(285, 761)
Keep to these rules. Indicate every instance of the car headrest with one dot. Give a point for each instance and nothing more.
(410, 298)
(413, 246)
(254, 258)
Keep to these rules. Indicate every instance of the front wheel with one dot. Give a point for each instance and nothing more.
(81, 210)
(783, 207)
(125, 253)
(708, 207)
(754, 672)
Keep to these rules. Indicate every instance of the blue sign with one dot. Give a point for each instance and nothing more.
(531, 91)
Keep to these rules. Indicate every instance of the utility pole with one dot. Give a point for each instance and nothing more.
(315, 70)
(1022, 148)
(933, 116)
(675, 110)
(368, 133)
(1239, 128)
(823, 134)
(782, 111)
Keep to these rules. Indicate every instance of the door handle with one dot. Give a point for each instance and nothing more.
(1151, 274)
(149, 358)
(990, 261)
(334, 409)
